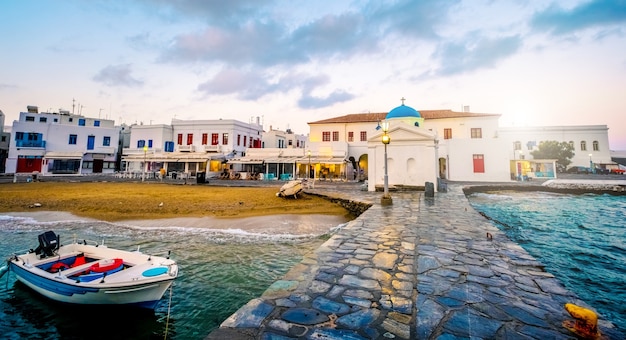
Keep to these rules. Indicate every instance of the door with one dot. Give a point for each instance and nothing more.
(91, 140)
(97, 165)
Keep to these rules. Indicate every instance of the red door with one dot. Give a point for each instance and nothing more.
(28, 164)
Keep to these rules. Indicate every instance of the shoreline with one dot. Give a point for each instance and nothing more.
(295, 224)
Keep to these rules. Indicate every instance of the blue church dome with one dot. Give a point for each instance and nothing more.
(403, 111)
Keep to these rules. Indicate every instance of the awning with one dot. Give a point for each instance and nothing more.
(288, 160)
(170, 157)
(245, 161)
(323, 160)
(63, 155)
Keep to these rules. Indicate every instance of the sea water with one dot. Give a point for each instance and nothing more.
(581, 239)
(220, 271)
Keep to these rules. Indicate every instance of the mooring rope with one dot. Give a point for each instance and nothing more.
(169, 306)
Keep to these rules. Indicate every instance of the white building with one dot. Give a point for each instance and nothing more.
(275, 138)
(187, 147)
(62, 143)
(5, 137)
(432, 144)
(590, 142)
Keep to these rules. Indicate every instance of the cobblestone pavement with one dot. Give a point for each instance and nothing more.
(422, 268)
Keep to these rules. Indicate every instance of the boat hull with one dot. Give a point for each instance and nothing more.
(145, 295)
(142, 282)
(292, 188)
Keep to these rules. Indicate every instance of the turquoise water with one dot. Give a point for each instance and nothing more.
(220, 270)
(581, 239)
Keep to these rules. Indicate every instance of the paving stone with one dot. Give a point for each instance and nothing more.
(283, 302)
(429, 315)
(335, 292)
(385, 260)
(359, 293)
(329, 306)
(352, 269)
(358, 320)
(376, 274)
(399, 329)
(402, 318)
(357, 301)
(469, 323)
(250, 315)
(354, 281)
(304, 316)
(401, 304)
(319, 287)
(334, 334)
(551, 286)
(426, 263)
(326, 277)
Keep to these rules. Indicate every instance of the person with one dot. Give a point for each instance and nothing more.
(162, 173)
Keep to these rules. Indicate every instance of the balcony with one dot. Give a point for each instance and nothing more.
(35, 144)
(212, 148)
(187, 148)
(103, 149)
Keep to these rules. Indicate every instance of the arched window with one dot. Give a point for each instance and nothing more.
(518, 145)
(583, 146)
(571, 143)
(596, 146)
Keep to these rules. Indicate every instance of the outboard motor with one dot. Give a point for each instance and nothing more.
(48, 244)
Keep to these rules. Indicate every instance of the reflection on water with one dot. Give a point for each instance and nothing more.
(220, 270)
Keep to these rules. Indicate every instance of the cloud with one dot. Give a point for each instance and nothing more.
(474, 53)
(218, 12)
(8, 86)
(308, 101)
(250, 85)
(408, 18)
(262, 40)
(117, 75)
(591, 14)
(252, 43)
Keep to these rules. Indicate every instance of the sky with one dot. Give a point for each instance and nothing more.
(537, 63)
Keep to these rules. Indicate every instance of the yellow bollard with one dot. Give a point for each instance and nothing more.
(585, 324)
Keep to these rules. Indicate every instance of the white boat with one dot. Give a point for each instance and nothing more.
(291, 188)
(82, 273)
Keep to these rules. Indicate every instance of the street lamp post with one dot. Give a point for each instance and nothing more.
(386, 199)
(308, 174)
(591, 165)
(145, 151)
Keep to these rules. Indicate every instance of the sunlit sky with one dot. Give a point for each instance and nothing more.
(292, 62)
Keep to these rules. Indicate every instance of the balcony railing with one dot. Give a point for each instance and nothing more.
(187, 148)
(211, 148)
(30, 143)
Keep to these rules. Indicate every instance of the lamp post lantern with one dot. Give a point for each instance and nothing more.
(386, 199)
(143, 173)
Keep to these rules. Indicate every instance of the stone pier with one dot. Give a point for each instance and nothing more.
(422, 268)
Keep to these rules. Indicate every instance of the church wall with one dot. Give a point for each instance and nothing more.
(461, 162)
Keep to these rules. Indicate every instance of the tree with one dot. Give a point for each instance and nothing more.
(561, 151)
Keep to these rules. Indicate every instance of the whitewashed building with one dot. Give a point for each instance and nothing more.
(187, 147)
(459, 146)
(590, 142)
(62, 144)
